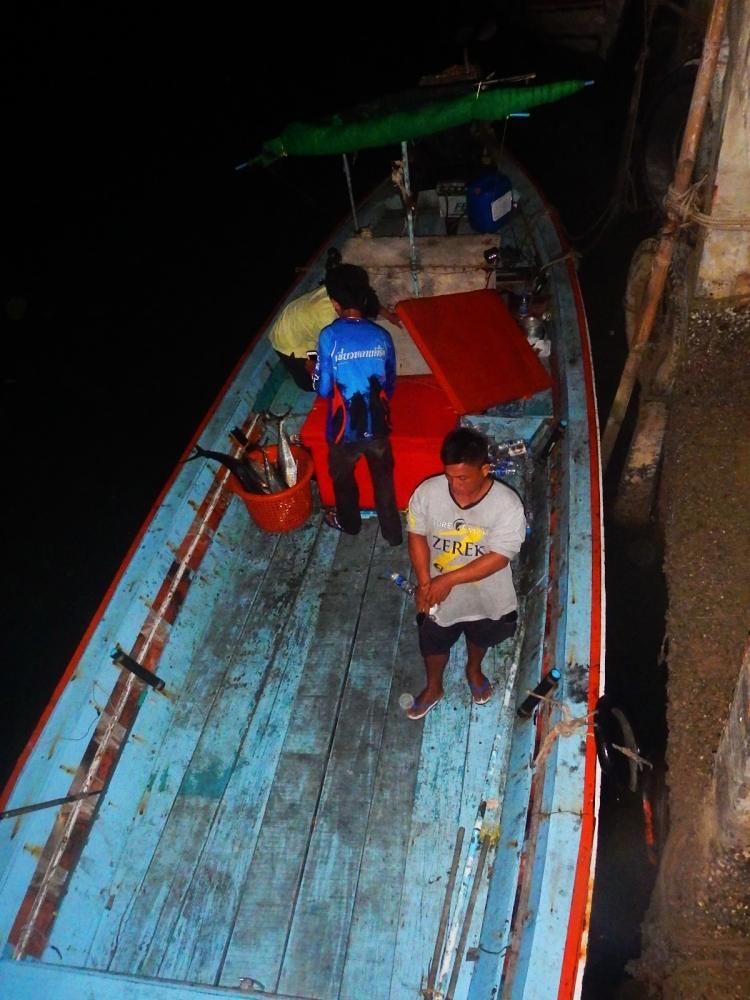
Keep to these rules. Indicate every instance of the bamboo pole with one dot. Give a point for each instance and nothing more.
(682, 178)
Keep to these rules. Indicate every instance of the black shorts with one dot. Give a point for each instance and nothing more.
(485, 632)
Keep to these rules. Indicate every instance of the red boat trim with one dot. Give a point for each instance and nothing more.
(575, 942)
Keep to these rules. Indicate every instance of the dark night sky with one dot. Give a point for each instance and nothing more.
(139, 262)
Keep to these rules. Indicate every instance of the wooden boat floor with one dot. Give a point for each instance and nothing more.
(288, 802)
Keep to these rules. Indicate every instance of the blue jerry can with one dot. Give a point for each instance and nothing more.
(488, 201)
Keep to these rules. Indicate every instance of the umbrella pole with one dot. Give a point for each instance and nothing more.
(410, 220)
(351, 193)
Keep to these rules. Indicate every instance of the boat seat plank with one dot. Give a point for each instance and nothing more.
(315, 952)
(259, 936)
(156, 754)
(32, 980)
(144, 936)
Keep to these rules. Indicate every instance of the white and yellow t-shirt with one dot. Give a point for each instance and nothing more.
(296, 330)
(456, 536)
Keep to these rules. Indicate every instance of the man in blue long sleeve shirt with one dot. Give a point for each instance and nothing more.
(356, 372)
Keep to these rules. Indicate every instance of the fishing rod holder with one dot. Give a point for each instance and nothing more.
(122, 659)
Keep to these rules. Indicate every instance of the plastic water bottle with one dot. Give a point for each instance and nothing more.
(403, 583)
(411, 589)
(549, 681)
(504, 467)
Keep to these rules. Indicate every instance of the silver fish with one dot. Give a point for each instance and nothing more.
(286, 461)
(271, 475)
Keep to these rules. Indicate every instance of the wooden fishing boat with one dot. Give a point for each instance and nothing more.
(225, 794)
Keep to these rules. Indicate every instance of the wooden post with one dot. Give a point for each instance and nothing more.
(682, 178)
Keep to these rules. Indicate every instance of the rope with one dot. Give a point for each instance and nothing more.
(573, 255)
(682, 208)
(565, 727)
(568, 725)
(640, 761)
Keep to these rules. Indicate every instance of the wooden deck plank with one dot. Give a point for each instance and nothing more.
(207, 916)
(172, 757)
(374, 924)
(144, 936)
(144, 783)
(263, 919)
(486, 770)
(315, 953)
(435, 820)
(495, 934)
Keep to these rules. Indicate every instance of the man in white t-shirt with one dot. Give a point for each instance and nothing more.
(464, 530)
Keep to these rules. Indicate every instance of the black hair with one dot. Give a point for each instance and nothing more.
(464, 446)
(333, 258)
(349, 285)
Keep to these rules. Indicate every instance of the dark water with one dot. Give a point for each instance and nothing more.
(139, 264)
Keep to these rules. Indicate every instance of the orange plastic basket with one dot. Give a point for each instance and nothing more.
(283, 511)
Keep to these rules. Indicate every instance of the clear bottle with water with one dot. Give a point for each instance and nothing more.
(411, 588)
(403, 583)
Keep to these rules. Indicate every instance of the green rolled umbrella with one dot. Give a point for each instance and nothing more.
(366, 130)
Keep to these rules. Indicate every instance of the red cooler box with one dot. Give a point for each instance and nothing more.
(478, 356)
(421, 416)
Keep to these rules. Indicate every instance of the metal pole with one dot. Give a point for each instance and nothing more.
(22, 810)
(446, 912)
(663, 256)
(351, 193)
(466, 926)
(410, 220)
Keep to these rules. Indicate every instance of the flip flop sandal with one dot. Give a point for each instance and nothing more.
(481, 695)
(419, 709)
(332, 520)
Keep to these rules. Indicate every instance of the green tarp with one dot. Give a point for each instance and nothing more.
(335, 135)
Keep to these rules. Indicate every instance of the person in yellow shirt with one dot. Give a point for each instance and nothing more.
(294, 334)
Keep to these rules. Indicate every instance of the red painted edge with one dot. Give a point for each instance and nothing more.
(579, 904)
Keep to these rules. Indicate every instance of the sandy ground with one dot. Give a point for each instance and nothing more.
(696, 937)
